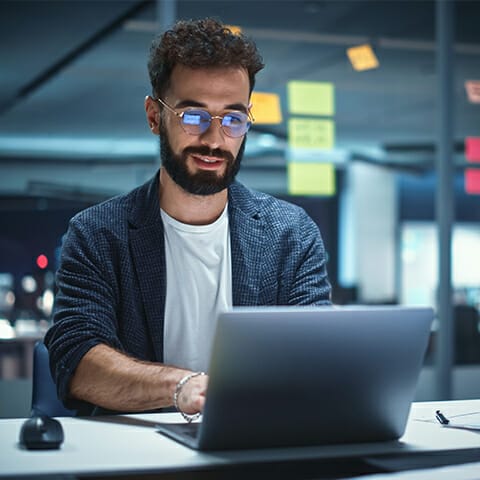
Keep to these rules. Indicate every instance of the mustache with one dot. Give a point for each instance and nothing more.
(209, 152)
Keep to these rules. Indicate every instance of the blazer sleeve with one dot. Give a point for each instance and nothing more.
(85, 303)
(310, 285)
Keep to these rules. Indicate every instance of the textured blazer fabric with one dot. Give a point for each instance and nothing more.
(111, 282)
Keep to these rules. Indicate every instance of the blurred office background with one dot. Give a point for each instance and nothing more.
(73, 133)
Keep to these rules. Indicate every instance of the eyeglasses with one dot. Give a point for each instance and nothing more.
(196, 121)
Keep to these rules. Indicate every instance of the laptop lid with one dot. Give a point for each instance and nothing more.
(290, 376)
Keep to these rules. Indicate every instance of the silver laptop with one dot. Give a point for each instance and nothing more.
(291, 376)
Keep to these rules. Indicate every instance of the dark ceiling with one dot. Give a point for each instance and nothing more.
(73, 78)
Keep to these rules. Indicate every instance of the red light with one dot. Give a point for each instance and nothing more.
(42, 261)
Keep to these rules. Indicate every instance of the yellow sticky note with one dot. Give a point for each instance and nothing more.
(311, 133)
(311, 178)
(236, 30)
(266, 108)
(311, 98)
(362, 57)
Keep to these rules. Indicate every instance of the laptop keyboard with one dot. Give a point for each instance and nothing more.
(188, 429)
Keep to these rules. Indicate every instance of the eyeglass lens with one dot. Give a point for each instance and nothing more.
(196, 122)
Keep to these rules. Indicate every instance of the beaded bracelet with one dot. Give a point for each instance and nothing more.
(187, 417)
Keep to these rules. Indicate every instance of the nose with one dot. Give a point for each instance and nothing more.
(214, 135)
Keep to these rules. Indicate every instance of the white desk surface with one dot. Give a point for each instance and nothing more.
(99, 445)
(468, 471)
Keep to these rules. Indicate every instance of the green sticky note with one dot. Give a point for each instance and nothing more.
(311, 133)
(311, 98)
(311, 178)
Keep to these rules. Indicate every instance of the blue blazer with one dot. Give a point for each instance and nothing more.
(112, 277)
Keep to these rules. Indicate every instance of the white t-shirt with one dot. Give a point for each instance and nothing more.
(199, 286)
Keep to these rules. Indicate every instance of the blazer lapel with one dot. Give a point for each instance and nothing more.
(148, 252)
(247, 241)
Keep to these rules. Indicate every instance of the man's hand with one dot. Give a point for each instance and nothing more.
(191, 397)
(113, 380)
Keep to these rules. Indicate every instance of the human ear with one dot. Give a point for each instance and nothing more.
(153, 114)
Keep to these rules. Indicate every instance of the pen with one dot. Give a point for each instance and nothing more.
(441, 418)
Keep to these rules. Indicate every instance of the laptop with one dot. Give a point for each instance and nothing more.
(296, 376)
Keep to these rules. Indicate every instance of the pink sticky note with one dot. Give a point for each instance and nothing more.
(472, 181)
(472, 149)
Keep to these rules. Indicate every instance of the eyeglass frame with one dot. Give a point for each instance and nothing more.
(212, 117)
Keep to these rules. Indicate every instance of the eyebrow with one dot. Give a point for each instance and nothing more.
(193, 103)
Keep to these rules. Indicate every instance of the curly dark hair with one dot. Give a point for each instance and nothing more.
(200, 43)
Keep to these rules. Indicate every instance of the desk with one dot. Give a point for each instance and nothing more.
(129, 445)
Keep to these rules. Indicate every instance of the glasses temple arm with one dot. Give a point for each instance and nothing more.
(168, 107)
(250, 114)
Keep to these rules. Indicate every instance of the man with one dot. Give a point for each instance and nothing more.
(144, 275)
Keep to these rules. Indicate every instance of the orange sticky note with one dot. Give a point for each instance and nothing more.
(266, 108)
(473, 90)
(472, 149)
(362, 57)
(235, 29)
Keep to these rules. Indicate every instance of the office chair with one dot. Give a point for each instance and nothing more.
(44, 392)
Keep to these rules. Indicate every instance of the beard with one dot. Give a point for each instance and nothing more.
(203, 182)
